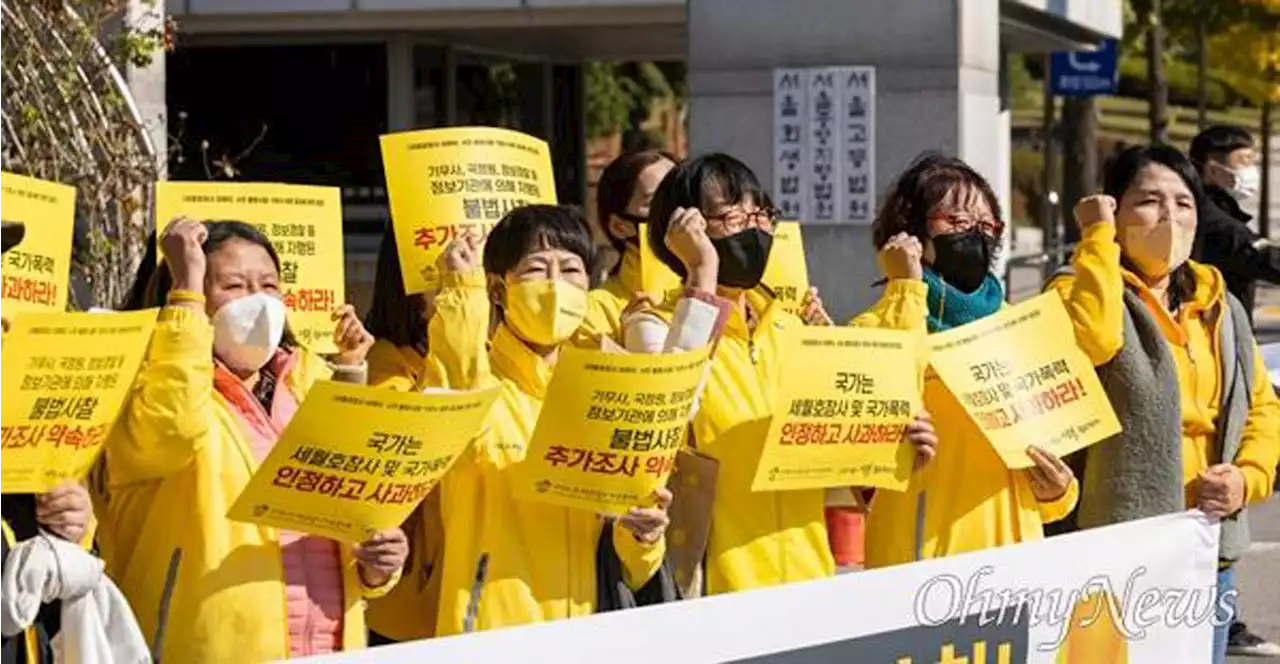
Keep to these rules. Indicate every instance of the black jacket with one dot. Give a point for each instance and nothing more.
(1225, 241)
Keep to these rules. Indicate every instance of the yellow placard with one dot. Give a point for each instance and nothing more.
(445, 182)
(35, 273)
(1023, 380)
(66, 376)
(304, 224)
(655, 277)
(787, 273)
(357, 459)
(610, 428)
(847, 395)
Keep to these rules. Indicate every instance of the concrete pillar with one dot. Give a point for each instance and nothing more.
(147, 84)
(400, 89)
(937, 64)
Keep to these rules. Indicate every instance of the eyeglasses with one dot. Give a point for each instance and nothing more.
(962, 223)
(737, 220)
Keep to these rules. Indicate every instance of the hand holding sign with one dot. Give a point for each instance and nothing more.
(65, 511)
(1050, 477)
(349, 335)
(924, 438)
(900, 258)
(1095, 209)
(648, 524)
(380, 556)
(811, 310)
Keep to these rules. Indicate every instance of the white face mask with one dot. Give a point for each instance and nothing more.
(1248, 181)
(247, 331)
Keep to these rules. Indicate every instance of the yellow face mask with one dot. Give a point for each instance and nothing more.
(545, 312)
(1158, 250)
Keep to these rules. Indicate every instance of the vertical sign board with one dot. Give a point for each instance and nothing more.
(824, 144)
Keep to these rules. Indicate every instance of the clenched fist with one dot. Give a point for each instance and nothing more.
(900, 258)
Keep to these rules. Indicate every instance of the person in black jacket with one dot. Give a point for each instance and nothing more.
(1228, 164)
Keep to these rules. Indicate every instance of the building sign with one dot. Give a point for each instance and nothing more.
(1086, 73)
(824, 144)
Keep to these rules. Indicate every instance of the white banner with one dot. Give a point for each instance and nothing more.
(1002, 606)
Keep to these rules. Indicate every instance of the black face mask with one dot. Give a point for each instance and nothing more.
(964, 259)
(743, 257)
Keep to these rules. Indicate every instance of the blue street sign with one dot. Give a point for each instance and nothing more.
(1086, 73)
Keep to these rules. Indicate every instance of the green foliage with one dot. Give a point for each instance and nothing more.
(614, 90)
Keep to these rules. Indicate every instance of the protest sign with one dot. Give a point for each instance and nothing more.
(66, 377)
(656, 278)
(1023, 380)
(357, 459)
(35, 273)
(845, 399)
(610, 428)
(443, 183)
(787, 273)
(304, 224)
(1038, 602)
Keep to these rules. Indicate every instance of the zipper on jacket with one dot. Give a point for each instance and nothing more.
(166, 596)
(477, 586)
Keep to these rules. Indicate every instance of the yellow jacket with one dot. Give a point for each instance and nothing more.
(410, 611)
(541, 558)
(966, 499)
(176, 460)
(606, 303)
(767, 538)
(399, 368)
(1095, 299)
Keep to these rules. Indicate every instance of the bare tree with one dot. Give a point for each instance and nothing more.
(68, 116)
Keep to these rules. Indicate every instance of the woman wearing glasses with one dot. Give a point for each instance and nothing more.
(757, 539)
(967, 499)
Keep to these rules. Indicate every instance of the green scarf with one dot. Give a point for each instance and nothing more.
(951, 307)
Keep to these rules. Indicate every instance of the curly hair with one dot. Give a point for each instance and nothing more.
(918, 192)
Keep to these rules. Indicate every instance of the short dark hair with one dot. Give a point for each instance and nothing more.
(219, 233)
(393, 315)
(1124, 170)
(618, 184)
(689, 185)
(1218, 141)
(919, 191)
(529, 228)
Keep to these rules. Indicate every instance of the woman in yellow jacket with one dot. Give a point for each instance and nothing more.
(507, 561)
(221, 380)
(398, 361)
(757, 539)
(1198, 431)
(967, 499)
(622, 203)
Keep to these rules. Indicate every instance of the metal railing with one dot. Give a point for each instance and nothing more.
(1047, 261)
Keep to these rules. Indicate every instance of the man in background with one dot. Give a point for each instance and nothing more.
(1228, 164)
